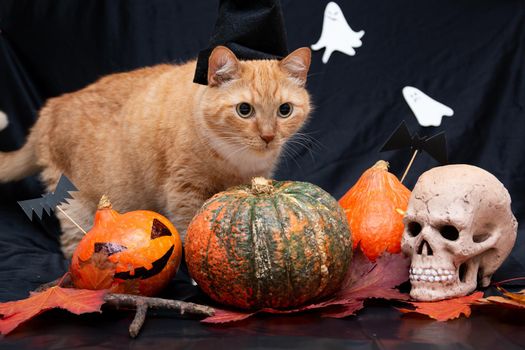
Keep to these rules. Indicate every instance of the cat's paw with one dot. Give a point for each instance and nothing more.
(3, 121)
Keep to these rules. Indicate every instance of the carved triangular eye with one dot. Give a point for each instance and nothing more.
(158, 229)
(109, 248)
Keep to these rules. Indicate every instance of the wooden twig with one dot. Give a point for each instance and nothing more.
(138, 320)
(409, 165)
(142, 304)
(128, 300)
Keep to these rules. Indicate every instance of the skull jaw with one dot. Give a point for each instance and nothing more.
(458, 286)
(427, 291)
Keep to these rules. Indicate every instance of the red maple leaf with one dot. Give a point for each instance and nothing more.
(364, 280)
(77, 301)
(445, 310)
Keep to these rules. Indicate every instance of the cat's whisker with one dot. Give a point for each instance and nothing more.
(287, 155)
(290, 143)
(311, 144)
(237, 151)
(314, 74)
(307, 136)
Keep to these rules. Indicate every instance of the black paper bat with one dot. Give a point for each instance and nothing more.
(49, 201)
(435, 146)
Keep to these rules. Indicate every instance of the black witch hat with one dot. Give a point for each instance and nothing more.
(252, 29)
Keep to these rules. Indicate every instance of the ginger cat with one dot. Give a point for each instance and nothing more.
(152, 139)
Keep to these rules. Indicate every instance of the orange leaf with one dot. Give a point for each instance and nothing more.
(503, 302)
(77, 301)
(514, 300)
(97, 272)
(445, 310)
(518, 297)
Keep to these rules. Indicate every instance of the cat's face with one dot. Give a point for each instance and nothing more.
(251, 108)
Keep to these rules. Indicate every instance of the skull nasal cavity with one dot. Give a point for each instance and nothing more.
(424, 249)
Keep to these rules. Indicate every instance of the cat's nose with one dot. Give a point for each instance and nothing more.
(267, 138)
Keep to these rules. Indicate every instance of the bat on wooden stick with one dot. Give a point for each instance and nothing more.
(51, 201)
(435, 146)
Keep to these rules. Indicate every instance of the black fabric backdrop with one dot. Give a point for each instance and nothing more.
(469, 55)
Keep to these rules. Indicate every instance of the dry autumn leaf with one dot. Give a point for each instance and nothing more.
(517, 297)
(77, 301)
(502, 302)
(364, 280)
(509, 299)
(445, 310)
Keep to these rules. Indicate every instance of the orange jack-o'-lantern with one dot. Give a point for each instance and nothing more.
(136, 252)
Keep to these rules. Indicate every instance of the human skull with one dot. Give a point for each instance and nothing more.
(459, 228)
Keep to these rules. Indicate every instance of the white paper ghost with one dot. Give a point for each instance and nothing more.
(3, 121)
(337, 34)
(428, 111)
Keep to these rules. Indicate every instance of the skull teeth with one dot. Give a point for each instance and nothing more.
(432, 275)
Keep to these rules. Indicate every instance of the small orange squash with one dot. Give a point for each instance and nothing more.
(137, 252)
(374, 207)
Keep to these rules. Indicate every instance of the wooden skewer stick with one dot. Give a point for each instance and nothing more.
(409, 165)
(70, 219)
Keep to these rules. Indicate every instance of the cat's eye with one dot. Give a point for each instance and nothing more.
(285, 110)
(244, 110)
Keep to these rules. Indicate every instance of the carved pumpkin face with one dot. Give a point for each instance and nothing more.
(138, 249)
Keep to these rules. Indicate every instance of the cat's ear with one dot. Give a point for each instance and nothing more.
(222, 66)
(297, 64)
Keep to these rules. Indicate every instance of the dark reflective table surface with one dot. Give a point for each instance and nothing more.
(376, 327)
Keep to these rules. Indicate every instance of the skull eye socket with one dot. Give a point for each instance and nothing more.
(485, 233)
(449, 232)
(413, 228)
(481, 237)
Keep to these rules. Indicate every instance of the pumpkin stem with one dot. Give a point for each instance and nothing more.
(104, 203)
(381, 165)
(261, 185)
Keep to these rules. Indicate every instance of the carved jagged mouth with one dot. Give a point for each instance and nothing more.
(432, 275)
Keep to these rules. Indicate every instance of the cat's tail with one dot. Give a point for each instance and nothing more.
(17, 164)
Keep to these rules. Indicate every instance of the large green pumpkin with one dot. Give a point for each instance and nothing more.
(272, 244)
